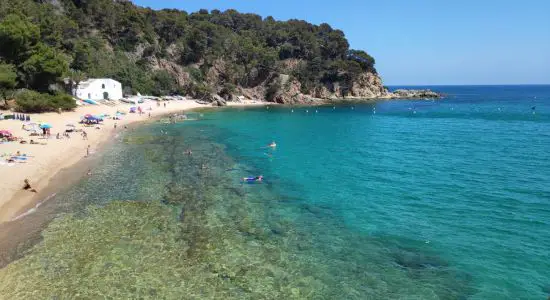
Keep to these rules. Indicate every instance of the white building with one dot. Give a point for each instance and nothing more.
(98, 89)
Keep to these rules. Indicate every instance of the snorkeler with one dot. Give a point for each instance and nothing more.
(253, 179)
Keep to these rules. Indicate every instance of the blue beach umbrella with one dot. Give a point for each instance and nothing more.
(45, 126)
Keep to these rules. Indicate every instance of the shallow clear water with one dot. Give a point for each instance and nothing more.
(415, 199)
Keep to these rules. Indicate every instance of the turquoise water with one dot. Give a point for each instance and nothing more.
(418, 199)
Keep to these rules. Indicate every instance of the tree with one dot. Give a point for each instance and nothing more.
(44, 67)
(34, 102)
(8, 80)
(75, 77)
(165, 83)
(17, 37)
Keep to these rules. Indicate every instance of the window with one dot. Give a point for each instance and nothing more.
(103, 86)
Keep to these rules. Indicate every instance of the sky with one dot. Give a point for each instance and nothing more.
(424, 42)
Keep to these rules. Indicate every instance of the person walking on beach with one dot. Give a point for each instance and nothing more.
(115, 125)
(88, 151)
(84, 135)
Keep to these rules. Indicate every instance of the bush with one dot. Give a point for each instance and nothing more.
(34, 102)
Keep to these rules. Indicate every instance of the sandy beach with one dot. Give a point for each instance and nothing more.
(51, 155)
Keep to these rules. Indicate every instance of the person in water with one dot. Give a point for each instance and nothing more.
(272, 145)
(257, 178)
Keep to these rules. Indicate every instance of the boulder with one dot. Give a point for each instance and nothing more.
(402, 93)
(367, 85)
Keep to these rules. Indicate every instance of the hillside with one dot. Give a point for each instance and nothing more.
(203, 54)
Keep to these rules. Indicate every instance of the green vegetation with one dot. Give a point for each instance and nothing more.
(8, 80)
(32, 102)
(47, 41)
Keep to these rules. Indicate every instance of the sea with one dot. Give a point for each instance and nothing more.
(390, 199)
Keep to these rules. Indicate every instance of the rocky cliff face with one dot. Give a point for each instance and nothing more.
(284, 89)
(368, 85)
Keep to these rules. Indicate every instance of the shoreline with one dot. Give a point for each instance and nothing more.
(47, 161)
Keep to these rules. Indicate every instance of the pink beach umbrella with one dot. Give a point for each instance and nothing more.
(5, 133)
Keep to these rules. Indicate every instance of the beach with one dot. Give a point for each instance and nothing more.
(51, 155)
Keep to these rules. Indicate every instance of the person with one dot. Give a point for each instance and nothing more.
(84, 135)
(272, 145)
(88, 151)
(189, 152)
(89, 173)
(27, 186)
(33, 142)
(115, 125)
(164, 104)
(57, 136)
(18, 153)
(253, 179)
(149, 115)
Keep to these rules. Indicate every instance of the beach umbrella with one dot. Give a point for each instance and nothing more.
(5, 133)
(88, 116)
(45, 126)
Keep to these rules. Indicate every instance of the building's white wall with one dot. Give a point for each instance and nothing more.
(97, 87)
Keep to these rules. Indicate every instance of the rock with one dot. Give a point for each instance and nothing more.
(219, 101)
(402, 93)
(367, 85)
(214, 99)
(321, 93)
(290, 93)
(216, 72)
(182, 77)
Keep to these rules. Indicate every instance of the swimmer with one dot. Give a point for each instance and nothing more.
(272, 145)
(89, 173)
(253, 179)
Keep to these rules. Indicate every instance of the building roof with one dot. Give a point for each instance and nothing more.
(87, 83)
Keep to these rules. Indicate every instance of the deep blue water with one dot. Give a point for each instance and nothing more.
(403, 199)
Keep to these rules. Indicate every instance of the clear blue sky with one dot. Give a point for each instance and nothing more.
(424, 41)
